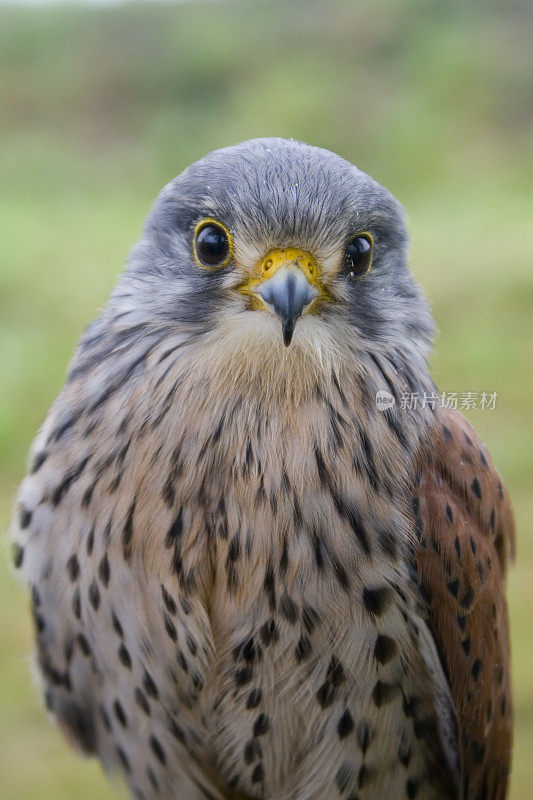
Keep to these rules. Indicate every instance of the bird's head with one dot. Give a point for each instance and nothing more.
(276, 247)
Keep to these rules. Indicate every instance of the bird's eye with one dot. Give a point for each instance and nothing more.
(358, 255)
(212, 243)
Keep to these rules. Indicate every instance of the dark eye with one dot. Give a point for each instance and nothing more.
(358, 257)
(212, 244)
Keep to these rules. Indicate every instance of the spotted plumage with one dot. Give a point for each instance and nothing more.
(248, 579)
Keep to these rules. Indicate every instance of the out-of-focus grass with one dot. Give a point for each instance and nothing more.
(101, 107)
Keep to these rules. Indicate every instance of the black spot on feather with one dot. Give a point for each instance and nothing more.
(17, 555)
(335, 672)
(377, 600)
(169, 602)
(363, 736)
(326, 694)
(90, 542)
(124, 656)
(127, 532)
(25, 516)
(39, 460)
(385, 693)
(254, 698)
(385, 649)
(344, 776)
(261, 725)
(269, 586)
(345, 725)
(149, 686)
(303, 648)
(104, 570)
(170, 628)
(70, 477)
(141, 700)
(288, 608)
(120, 713)
(117, 627)
(94, 595)
(476, 669)
(157, 750)
(350, 512)
(175, 530)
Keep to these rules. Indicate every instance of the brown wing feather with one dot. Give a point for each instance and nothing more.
(466, 541)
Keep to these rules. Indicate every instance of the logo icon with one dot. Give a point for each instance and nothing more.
(384, 400)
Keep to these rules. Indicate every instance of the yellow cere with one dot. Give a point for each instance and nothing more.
(274, 261)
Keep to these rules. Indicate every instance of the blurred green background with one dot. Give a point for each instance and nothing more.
(100, 106)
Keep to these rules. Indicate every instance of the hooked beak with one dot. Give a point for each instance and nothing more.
(286, 283)
(288, 293)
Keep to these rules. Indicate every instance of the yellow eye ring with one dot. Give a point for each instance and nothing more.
(212, 244)
(358, 254)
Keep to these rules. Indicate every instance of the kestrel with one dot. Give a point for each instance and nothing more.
(251, 579)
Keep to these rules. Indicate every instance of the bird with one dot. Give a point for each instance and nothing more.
(255, 572)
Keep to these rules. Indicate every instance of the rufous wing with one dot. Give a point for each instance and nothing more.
(465, 543)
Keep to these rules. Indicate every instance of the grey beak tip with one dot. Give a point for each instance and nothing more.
(288, 292)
